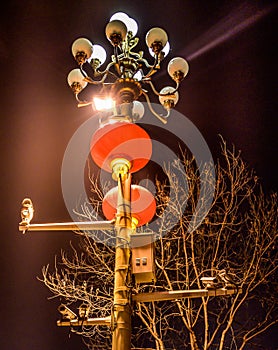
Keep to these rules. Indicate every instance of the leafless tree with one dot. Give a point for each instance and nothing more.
(236, 243)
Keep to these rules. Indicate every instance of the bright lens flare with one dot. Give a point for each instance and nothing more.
(103, 104)
(228, 27)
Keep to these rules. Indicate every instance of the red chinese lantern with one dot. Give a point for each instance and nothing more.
(143, 205)
(121, 140)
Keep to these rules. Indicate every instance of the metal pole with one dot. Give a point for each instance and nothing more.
(121, 315)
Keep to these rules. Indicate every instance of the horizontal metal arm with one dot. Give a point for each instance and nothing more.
(160, 94)
(69, 226)
(102, 321)
(179, 294)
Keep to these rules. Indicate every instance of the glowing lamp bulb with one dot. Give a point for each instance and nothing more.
(102, 104)
(121, 16)
(132, 26)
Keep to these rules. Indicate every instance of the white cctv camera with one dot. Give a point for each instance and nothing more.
(66, 312)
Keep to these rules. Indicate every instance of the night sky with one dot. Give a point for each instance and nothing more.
(231, 90)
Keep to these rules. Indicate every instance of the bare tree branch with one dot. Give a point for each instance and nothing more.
(236, 243)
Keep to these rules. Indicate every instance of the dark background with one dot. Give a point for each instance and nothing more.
(231, 90)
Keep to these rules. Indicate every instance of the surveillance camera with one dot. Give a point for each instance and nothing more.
(209, 282)
(66, 312)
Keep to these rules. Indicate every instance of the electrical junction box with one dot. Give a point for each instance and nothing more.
(142, 250)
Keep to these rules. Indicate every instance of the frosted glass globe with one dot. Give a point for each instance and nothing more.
(82, 45)
(178, 64)
(102, 104)
(75, 76)
(99, 53)
(121, 16)
(116, 27)
(138, 110)
(132, 26)
(169, 95)
(130, 23)
(156, 35)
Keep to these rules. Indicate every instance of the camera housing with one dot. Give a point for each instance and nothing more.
(66, 312)
(210, 282)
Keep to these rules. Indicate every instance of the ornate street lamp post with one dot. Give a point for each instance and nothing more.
(122, 147)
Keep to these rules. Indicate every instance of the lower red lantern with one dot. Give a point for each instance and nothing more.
(143, 205)
(121, 140)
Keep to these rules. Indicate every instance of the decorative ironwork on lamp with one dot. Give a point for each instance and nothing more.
(127, 75)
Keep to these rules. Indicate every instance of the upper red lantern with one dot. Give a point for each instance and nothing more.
(121, 140)
(143, 205)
